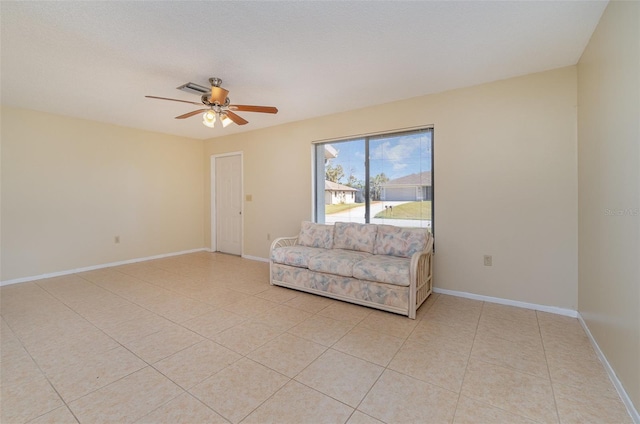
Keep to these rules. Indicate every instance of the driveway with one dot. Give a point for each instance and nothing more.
(357, 215)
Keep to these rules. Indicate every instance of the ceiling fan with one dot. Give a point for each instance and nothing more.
(218, 104)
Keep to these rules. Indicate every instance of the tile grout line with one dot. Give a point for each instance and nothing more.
(546, 360)
(466, 369)
(385, 368)
(43, 374)
(62, 300)
(148, 364)
(500, 366)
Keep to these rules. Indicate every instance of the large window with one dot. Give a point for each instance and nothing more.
(376, 179)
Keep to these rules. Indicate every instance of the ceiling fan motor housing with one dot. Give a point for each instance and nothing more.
(218, 95)
(208, 101)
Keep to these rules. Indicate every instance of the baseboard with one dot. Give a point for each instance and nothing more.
(255, 258)
(543, 308)
(560, 311)
(250, 257)
(94, 267)
(633, 412)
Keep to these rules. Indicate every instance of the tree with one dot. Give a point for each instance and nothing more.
(334, 174)
(375, 185)
(354, 182)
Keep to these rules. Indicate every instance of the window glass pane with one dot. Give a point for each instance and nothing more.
(400, 179)
(383, 179)
(344, 174)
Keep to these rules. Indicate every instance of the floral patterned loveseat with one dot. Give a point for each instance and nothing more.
(380, 266)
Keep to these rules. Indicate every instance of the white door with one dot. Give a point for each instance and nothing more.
(228, 213)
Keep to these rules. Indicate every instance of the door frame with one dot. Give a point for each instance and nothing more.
(213, 221)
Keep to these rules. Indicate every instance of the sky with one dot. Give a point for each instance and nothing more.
(395, 156)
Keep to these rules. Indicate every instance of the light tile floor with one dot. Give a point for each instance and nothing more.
(203, 338)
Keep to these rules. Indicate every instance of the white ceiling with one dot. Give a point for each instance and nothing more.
(97, 60)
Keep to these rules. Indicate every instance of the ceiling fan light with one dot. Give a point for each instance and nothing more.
(209, 118)
(225, 121)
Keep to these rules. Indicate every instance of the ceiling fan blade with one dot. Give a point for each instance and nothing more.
(249, 108)
(237, 119)
(190, 114)
(173, 100)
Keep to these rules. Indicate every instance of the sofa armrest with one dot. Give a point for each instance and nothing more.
(284, 241)
(279, 242)
(421, 283)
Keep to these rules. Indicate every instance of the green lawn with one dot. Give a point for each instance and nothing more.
(412, 210)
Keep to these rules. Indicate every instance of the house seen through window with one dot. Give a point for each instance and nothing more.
(382, 179)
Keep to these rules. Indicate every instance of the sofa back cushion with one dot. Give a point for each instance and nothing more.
(316, 235)
(398, 241)
(354, 236)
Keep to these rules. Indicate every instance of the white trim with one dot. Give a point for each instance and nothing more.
(314, 187)
(212, 217)
(255, 258)
(544, 308)
(94, 267)
(612, 374)
(566, 312)
(373, 134)
(212, 201)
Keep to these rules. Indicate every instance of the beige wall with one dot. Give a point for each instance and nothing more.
(69, 186)
(609, 195)
(505, 182)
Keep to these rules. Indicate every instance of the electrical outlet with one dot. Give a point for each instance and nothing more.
(268, 236)
(116, 239)
(488, 260)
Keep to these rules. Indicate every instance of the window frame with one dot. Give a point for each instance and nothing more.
(318, 160)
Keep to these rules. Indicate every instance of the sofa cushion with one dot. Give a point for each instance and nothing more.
(385, 269)
(354, 236)
(297, 256)
(336, 261)
(316, 235)
(398, 241)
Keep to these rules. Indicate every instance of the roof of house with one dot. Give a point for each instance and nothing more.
(421, 178)
(330, 152)
(331, 186)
